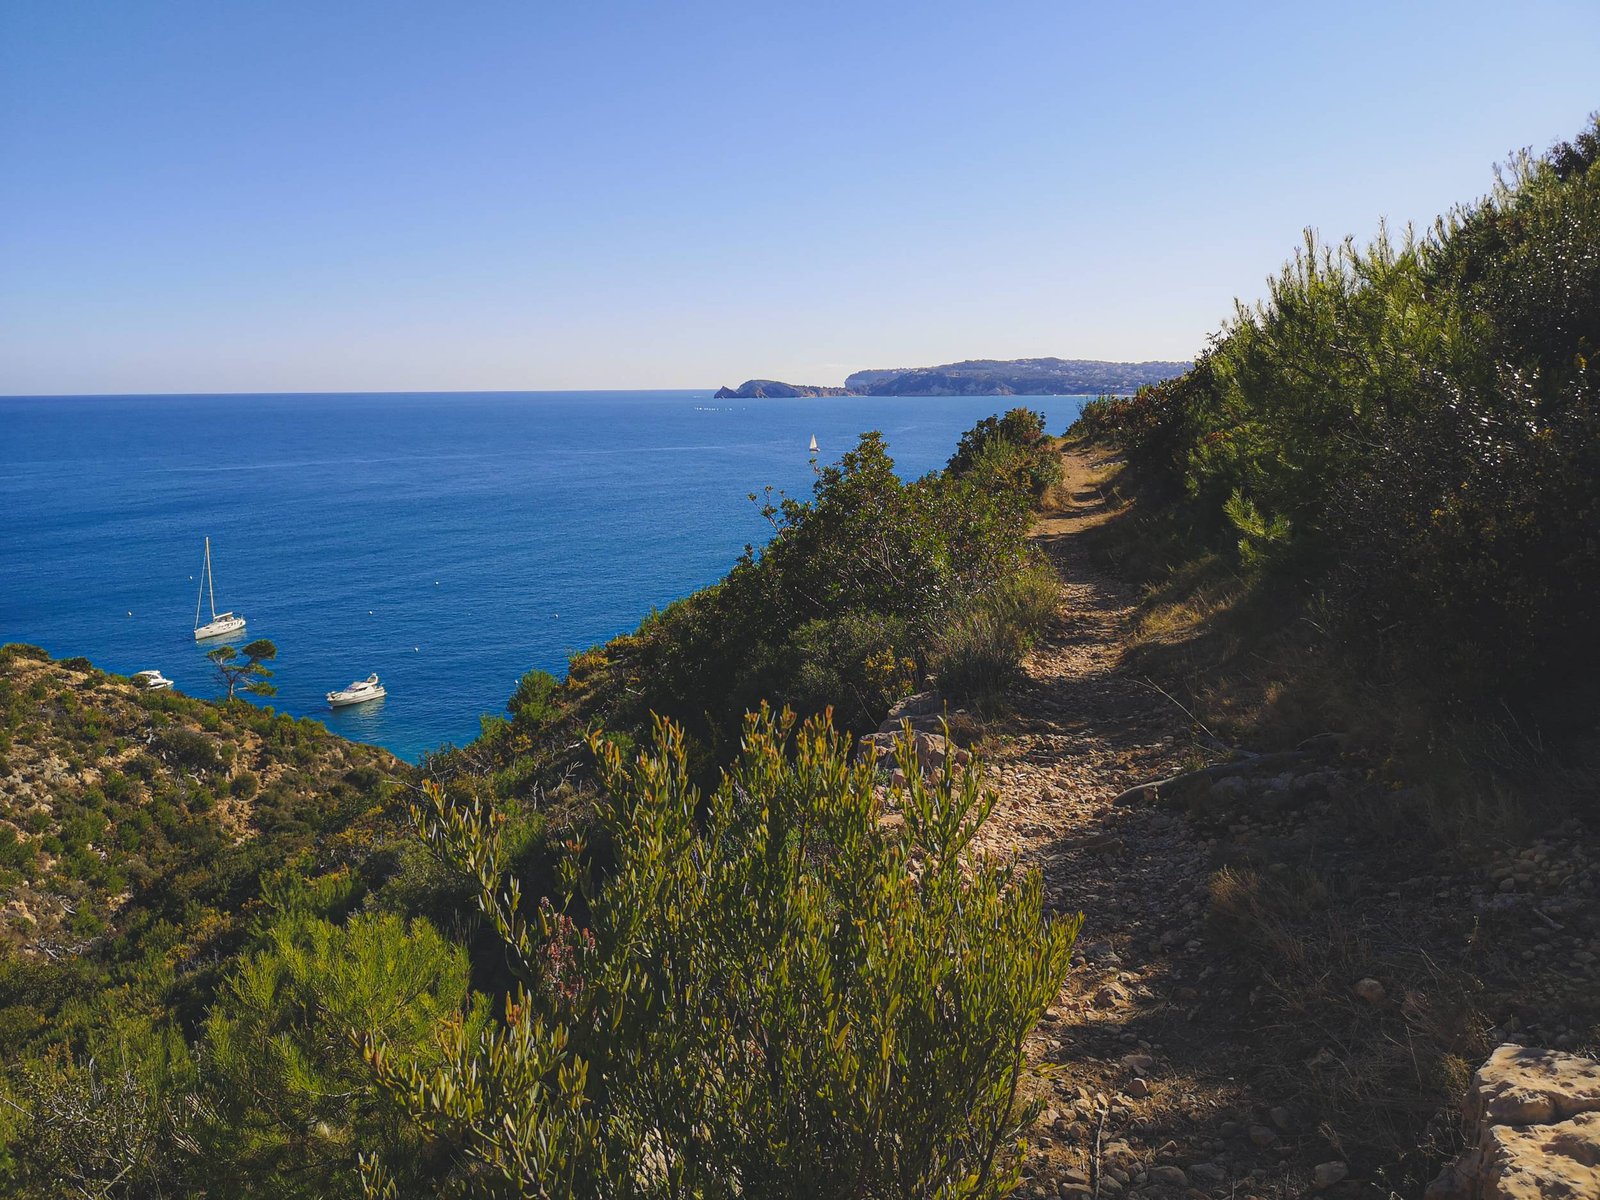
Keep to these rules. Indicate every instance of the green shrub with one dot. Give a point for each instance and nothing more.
(291, 1104)
(14, 851)
(856, 662)
(188, 750)
(978, 653)
(773, 993)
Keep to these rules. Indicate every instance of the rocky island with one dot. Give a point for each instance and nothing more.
(763, 389)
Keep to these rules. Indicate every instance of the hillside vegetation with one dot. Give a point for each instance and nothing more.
(1397, 454)
(866, 592)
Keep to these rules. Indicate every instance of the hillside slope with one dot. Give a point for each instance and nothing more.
(116, 802)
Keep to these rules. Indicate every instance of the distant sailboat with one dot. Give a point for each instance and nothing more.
(814, 446)
(220, 623)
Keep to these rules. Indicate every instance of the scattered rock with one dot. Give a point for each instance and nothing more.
(1139, 1064)
(1230, 789)
(1523, 1086)
(1110, 995)
(922, 704)
(1260, 1135)
(1138, 1088)
(1370, 990)
(1325, 1175)
(1169, 1177)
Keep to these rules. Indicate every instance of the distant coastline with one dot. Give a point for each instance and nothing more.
(765, 389)
(980, 377)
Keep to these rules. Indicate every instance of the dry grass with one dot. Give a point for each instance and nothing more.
(1370, 1074)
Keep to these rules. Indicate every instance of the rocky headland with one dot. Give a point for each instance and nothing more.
(766, 389)
(980, 377)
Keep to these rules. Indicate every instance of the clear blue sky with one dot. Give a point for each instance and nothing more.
(218, 195)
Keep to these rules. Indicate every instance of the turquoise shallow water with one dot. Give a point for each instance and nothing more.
(447, 541)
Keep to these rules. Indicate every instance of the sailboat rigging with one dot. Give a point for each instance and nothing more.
(813, 443)
(220, 623)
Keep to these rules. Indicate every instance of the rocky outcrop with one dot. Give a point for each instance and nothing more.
(764, 389)
(932, 730)
(1533, 1118)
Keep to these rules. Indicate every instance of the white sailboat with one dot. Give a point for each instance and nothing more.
(220, 623)
(814, 443)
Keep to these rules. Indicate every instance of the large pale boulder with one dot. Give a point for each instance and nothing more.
(1533, 1117)
(1559, 1161)
(1520, 1085)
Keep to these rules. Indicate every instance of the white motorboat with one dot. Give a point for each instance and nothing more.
(358, 692)
(221, 624)
(152, 681)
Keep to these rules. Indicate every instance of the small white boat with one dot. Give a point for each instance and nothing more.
(358, 692)
(152, 681)
(221, 624)
(814, 443)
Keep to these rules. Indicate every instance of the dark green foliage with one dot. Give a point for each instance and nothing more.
(1014, 445)
(251, 674)
(289, 1103)
(773, 993)
(533, 703)
(188, 749)
(1411, 434)
(92, 1129)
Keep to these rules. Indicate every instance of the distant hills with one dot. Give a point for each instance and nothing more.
(980, 377)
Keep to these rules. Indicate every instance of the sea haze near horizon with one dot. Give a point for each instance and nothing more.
(447, 541)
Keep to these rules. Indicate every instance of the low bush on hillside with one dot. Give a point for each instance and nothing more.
(773, 992)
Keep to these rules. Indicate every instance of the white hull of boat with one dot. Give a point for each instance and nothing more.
(152, 681)
(225, 624)
(343, 700)
(357, 693)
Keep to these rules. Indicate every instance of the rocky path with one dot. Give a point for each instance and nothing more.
(1281, 983)
(1148, 1058)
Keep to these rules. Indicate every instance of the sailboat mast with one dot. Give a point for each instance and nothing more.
(210, 584)
(201, 591)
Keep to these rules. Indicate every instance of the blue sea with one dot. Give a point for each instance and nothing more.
(446, 541)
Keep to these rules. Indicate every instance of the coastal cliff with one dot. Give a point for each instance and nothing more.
(1015, 377)
(980, 377)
